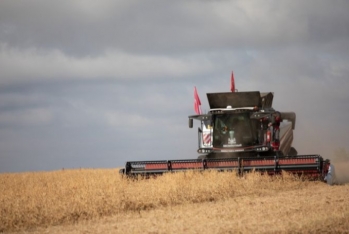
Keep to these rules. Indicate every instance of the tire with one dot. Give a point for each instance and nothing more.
(293, 152)
(203, 156)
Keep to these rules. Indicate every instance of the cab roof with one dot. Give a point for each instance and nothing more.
(240, 99)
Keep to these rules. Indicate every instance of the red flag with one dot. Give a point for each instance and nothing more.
(232, 83)
(197, 102)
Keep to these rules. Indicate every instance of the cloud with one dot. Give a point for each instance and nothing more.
(83, 28)
(33, 64)
(30, 117)
(120, 119)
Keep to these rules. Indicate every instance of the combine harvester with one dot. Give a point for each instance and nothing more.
(241, 132)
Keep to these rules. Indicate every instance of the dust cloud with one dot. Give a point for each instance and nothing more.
(340, 160)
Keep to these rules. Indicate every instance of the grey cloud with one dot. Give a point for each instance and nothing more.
(89, 28)
(37, 65)
(37, 116)
(94, 125)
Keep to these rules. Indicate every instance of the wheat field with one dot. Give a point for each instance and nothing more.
(101, 201)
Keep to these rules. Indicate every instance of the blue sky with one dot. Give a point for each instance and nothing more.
(96, 83)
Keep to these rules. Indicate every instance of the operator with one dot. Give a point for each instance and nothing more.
(330, 175)
(237, 128)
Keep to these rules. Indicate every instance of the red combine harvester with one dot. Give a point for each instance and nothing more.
(241, 132)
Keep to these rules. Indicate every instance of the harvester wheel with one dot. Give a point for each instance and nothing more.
(293, 152)
(203, 156)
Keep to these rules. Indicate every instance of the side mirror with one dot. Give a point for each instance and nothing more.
(190, 123)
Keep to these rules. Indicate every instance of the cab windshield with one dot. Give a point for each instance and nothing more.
(234, 130)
